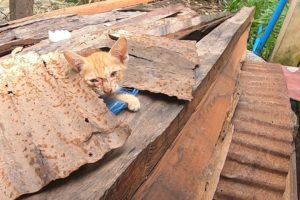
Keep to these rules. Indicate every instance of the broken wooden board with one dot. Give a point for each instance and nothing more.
(87, 9)
(158, 22)
(182, 21)
(51, 123)
(32, 32)
(154, 129)
(204, 27)
(29, 33)
(161, 65)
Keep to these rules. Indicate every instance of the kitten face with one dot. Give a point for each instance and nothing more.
(101, 70)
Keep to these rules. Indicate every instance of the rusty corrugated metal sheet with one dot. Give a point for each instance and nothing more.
(51, 123)
(258, 159)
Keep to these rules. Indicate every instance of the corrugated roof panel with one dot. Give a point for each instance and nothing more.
(51, 123)
(258, 159)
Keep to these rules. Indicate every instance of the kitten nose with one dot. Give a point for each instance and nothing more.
(108, 91)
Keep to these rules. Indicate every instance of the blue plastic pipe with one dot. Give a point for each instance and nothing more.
(260, 42)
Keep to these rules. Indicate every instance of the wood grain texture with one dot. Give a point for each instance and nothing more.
(184, 20)
(162, 65)
(37, 30)
(88, 9)
(154, 128)
(20, 9)
(209, 25)
(286, 51)
(33, 31)
(51, 123)
(181, 172)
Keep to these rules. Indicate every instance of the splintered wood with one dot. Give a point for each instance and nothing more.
(51, 123)
(162, 65)
(31, 32)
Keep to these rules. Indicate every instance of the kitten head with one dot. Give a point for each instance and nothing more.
(102, 71)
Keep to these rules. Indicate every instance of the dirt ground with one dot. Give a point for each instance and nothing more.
(204, 7)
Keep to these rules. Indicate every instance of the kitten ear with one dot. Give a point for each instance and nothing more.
(120, 50)
(75, 60)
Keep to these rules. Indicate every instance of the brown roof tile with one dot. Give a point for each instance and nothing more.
(258, 159)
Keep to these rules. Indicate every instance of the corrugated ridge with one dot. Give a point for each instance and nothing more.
(263, 130)
(229, 189)
(258, 159)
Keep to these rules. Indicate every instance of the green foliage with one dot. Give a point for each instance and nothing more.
(263, 14)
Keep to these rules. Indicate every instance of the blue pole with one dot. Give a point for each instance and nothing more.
(260, 42)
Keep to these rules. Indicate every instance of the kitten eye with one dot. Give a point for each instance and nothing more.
(113, 74)
(94, 80)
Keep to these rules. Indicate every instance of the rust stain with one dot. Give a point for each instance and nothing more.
(162, 65)
(44, 134)
(258, 159)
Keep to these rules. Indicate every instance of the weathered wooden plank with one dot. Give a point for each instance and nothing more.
(33, 31)
(88, 9)
(287, 48)
(180, 174)
(51, 123)
(37, 30)
(157, 14)
(20, 9)
(154, 128)
(161, 65)
(291, 190)
(166, 26)
(211, 46)
(201, 27)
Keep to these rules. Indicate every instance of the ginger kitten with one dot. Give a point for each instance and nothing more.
(104, 71)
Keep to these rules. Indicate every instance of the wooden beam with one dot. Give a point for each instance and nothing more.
(19, 9)
(87, 9)
(154, 129)
(287, 48)
(33, 31)
(180, 173)
(151, 23)
(291, 190)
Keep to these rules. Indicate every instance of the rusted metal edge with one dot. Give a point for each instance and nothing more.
(258, 160)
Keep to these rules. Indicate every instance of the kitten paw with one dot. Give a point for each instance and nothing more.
(134, 104)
